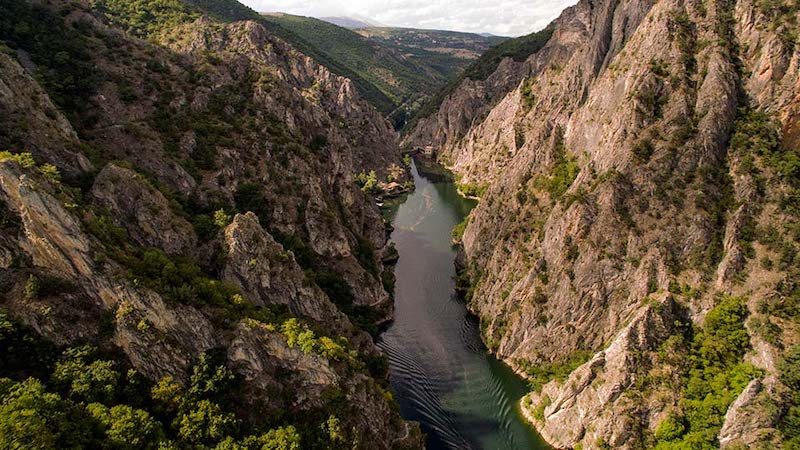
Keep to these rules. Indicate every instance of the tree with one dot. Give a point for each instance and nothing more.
(94, 381)
(167, 394)
(126, 427)
(208, 381)
(284, 438)
(32, 418)
(221, 218)
(205, 423)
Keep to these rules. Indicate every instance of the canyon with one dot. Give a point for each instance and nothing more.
(200, 227)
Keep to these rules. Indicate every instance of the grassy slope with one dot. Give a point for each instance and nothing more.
(232, 10)
(399, 78)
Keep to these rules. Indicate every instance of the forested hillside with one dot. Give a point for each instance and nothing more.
(187, 256)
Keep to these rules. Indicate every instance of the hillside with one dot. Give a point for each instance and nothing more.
(348, 22)
(508, 51)
(399, 78)
(188, 258)
(446, 52)
(405, 65)
(634, 251)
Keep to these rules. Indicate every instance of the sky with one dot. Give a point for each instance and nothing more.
(500, 17)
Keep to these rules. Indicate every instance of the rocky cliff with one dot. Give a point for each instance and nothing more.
(183, 187)
(647, 150)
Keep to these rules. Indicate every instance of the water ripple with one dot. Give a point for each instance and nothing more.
(439, 370)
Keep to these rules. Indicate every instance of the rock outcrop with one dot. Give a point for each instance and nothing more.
(268, 274)
(616, 162)
(594, 403)
(142, 210)
(219, 210)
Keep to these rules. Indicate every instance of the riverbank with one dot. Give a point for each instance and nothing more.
(440, 371)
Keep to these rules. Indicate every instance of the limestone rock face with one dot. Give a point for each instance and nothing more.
(163, 339)
(53, 240)
(263, 357)
(605, 158)
(268, 274)
(52, 237)
(745, 422)
(30, 121)
(142, 210)
(203, 115)
(591, 403)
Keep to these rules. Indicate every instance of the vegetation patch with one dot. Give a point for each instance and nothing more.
(144, 18)
(540, 373)
(472, 190)
(715, 375)
(562, 174)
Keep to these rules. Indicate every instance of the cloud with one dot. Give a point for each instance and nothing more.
(501, 17)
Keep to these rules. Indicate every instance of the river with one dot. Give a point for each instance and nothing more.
(439, 370)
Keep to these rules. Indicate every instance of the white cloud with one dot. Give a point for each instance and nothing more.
(501, 17)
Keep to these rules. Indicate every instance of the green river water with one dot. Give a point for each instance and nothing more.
(440, 371)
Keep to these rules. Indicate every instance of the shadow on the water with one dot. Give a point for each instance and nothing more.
(440, 371)
(433, 172)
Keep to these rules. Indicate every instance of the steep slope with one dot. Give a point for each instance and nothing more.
(401, 79)
(638, 215)
(480, 85)
(188, 214)
(232, 10)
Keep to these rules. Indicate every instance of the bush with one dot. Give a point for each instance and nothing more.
(458, 230)
(539, 374)
(221, 218)
(368, 182)
(472, 190)
(31, 417)
(563, 172)
(789, 374)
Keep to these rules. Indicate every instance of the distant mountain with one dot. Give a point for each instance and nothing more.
(350, 22)
(403, 67)
(447, 52)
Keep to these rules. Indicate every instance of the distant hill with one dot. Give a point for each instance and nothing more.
(403, 66)
(479, 69)
(396, 69)
(350, 22)
(447, 52)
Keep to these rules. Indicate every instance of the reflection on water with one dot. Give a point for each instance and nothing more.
(439, 369)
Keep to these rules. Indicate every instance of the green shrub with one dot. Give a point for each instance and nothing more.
(458, 230)
(563, 172)
(85, 378)
(31, 417)
(144, 18)
(539, 374)
(715, 376)
(538, 412)
(471, 189)
(221, 218)
(126, 427)
(789, 374)
(368, 182)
